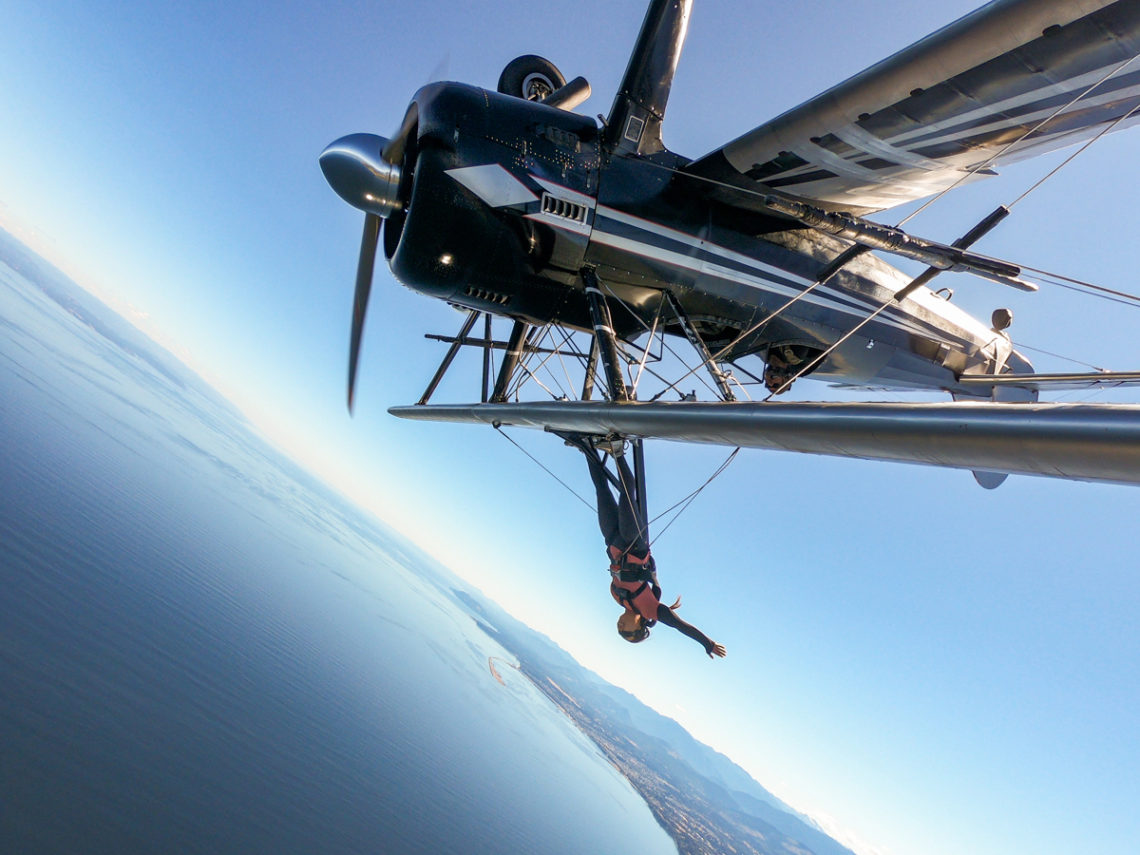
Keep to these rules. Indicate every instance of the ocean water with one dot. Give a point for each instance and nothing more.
(202, 650)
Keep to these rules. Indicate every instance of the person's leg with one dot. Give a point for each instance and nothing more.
(633, 529)
(608, 512)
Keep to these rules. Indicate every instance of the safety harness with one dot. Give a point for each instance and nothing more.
(632, 583)
(629, 567)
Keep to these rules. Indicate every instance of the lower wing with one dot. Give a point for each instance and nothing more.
(1080, 442)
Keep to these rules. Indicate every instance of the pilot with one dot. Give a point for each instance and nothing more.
(633, 573)
(787, 363)
(780, 371)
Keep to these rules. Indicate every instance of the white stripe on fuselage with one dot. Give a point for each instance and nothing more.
(705, 268)
(820, 296)
(697, 243)
(497, 187)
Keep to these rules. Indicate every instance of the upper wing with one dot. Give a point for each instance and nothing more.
(970, 96)
(1081, 442)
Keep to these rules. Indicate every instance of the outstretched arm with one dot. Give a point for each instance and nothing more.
(669, 617)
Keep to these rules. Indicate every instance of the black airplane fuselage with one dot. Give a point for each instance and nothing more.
(504, 202)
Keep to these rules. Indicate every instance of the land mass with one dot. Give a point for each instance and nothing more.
(696, 824)
(703, 800)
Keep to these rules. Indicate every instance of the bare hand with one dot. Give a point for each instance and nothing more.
(717, 650)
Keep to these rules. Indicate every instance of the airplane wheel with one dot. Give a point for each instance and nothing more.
(531, 78)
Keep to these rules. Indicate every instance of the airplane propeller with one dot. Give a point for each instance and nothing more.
(365, 171)
(364, 269)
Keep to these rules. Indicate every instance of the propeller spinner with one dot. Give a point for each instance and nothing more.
(355, 167)
(364, 170)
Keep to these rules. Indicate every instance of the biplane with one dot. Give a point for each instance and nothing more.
(607, 253)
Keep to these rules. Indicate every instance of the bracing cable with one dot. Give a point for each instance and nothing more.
(689, 499)
(507, 436)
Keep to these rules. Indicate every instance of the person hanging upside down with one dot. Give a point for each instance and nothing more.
(633, 573)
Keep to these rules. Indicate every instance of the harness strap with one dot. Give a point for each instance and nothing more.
(626, 594)
(628, 600)
(630, 568)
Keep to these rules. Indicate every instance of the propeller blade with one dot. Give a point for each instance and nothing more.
(372, 184)
(441, 69)
(393, 151)
(364, 268)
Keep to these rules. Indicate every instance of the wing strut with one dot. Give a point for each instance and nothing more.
(486, 357)
(896, 241)
(984, 227)
(604, 336)
(719, 376)
(510, 361)
(458, 342)
(591, 371)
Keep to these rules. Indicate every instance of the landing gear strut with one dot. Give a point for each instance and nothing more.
(606, 341)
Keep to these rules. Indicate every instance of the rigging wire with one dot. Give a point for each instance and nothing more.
(990, 161)
(550, 372)
(645, 353)
(665, 347)
(1077, 284)
(532, 374)
(689, 499)
(1074, 155)
(508, 437)
(1021, 346)
(969, 174)
(1097, 290)
(683, 503)
(565, 371)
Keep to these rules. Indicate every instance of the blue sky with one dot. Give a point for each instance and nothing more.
(930, 667)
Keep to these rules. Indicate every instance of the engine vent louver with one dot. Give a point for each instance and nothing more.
(564, 208)
(488, 296)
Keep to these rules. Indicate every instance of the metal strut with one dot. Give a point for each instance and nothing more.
(968, 239)
(719, 376)
(510, 361)
(604, 335)
(486, 358)
(639, 478)
(591, 371)
(457, 343)
(894, 240)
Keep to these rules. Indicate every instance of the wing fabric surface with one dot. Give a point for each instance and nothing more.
(970, 96)
(1078, 442)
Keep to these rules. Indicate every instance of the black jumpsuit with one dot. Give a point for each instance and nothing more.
(625, 530)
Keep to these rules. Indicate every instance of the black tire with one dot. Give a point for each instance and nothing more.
(531, 78)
